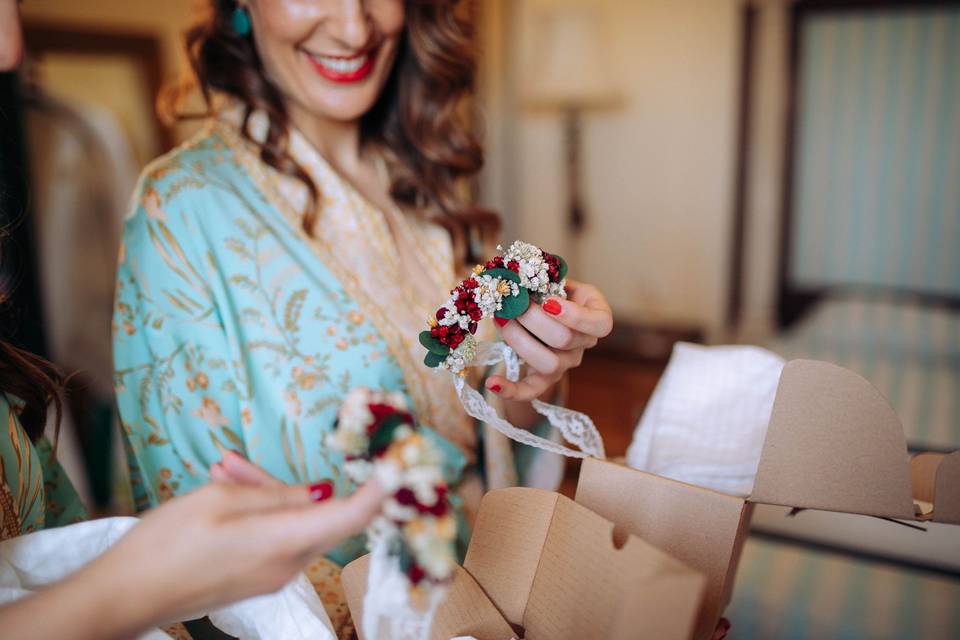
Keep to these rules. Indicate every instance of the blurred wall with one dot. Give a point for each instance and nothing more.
(658, 170)
(763, 206)
(165, 19)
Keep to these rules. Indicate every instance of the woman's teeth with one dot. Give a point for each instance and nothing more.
(342, 65)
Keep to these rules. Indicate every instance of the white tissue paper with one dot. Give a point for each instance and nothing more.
(31, 562)
(707, 419)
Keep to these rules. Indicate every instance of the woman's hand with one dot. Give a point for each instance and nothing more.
(229, 540)
(551, 339)
(226, 542)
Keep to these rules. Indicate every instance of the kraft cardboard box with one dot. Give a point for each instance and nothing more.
(833, 443)
(541, 567)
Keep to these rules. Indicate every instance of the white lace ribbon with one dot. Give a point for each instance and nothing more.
(577, 428)
(388, 613)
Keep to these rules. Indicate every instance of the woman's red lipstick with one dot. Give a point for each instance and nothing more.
(343, 75)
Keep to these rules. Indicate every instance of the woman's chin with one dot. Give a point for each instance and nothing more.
(340, 112)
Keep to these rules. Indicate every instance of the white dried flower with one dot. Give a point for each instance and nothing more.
(463, 355)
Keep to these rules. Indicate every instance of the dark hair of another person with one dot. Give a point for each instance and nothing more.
(35, 383)
(28, 381)
(421, 120)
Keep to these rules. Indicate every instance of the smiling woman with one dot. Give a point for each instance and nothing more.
(401, 69)
(325, 76)
(287, 254)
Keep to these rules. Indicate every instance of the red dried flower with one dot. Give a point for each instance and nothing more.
(416, 574)
(553, 266)
(495, 263)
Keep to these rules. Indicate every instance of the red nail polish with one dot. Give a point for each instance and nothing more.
(320, 491)
(500, 321)
(552, 307)
(495, 388)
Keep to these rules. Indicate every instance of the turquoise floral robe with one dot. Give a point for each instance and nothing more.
(235, 329)
(35, 493)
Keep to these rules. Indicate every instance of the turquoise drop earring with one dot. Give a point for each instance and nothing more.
(240, 20)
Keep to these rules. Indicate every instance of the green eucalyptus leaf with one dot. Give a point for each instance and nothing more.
(563, 268)
(433, 345)
(504, 274)
(514, 306)
(433, 360)
(383, 436)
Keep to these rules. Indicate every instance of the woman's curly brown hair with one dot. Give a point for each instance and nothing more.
(421, 121)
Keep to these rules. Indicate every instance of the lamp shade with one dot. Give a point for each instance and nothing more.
(569, 68)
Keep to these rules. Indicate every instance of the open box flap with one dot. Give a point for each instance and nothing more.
(936, 485)
(506, 543)
(946, 494)
(702, 528)
(466, 610)
(581, 585)
(923, 475)
(834, 443)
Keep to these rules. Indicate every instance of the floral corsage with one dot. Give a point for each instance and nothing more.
(502, 288)
(378, 437)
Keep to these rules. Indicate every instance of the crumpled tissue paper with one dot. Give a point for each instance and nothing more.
(30, 562)
(707, 419)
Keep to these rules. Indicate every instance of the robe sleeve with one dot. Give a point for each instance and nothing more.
(175, 377)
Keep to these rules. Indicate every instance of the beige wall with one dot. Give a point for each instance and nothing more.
(166, 18)
(766, 165)
(658, 172)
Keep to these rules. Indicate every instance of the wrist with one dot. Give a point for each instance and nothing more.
(101, 587)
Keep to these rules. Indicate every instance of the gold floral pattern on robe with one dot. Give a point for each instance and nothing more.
(35, 493)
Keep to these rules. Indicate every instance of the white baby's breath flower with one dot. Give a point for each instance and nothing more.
(379, 529)
(463, 355)
(396, 399)
(354, 414)
(402, 432)
(487, 294)
(398, 512)
(437, 559)
(451, 317)
(350, 443)
(388, 474)
(358, 470)
(533, 268)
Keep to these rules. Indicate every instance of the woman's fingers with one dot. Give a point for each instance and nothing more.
(552, 332)
(536, 354)
(586, 310)
(243, 490)
(235, 468)
(318, 528)
(229, 500)
(530, 387)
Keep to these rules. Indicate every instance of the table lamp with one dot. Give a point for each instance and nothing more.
(570, 75)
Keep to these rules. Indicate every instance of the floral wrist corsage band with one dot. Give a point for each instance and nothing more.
(412, 554)
(503, 288)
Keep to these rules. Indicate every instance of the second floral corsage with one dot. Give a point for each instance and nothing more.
(412, 541)
(501, 288)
